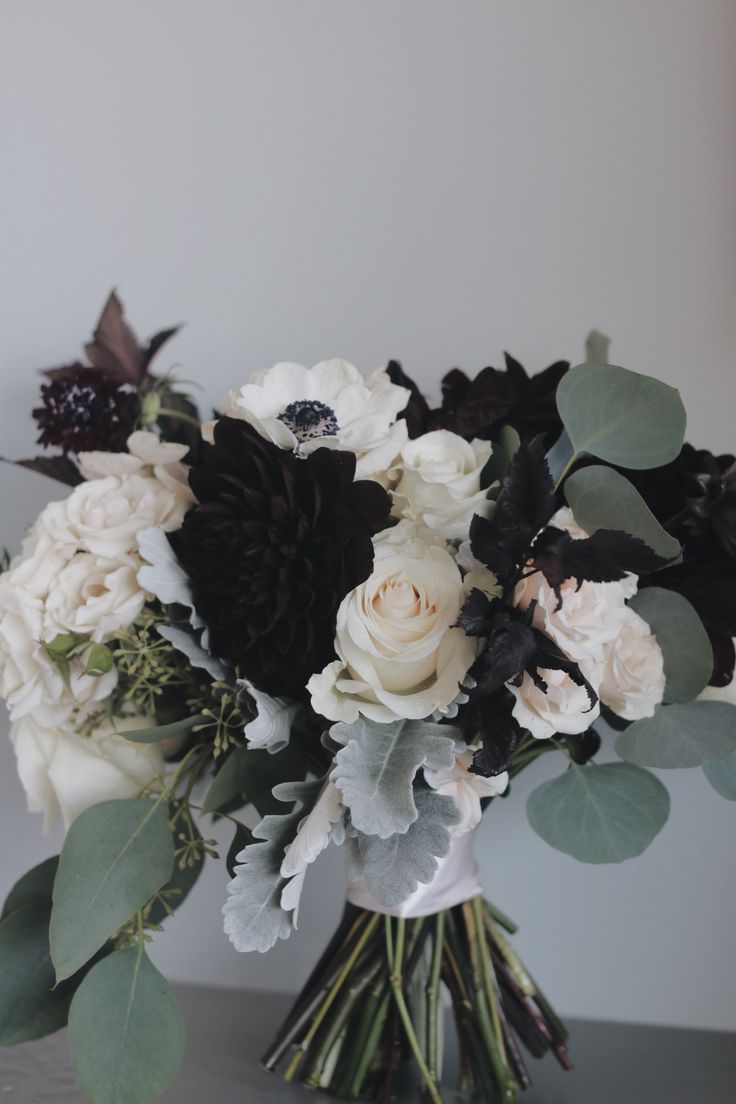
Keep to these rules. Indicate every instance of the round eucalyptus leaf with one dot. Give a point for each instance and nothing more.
(686, 647)
(600, 814)
(30, 1006)
(126, 1031)
(115, 857)
(620, 416)
(686, 735)
(722, 776)
(34, 888)
(602, 498)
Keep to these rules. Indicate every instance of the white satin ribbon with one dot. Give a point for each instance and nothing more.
(457, 879)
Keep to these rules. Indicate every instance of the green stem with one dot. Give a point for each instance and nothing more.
(331, 997)
(433, 992)
(396, 957)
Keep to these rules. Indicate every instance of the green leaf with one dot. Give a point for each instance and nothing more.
(163, 732)
(722, 776)
(687, 735)
(597, 346)
(620, 416)
(182, 881)
(115, 856)
(393, 867)
(248, 776)
(126, 1031)
(505, 446)
(600, 814)
(30, 1006)
(34, 888)
(242, 838)
(686, 647)
(601, 498)
(375, 770)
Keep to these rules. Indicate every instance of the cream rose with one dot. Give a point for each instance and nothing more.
(93, 596)
(399, 655)
(104, 515)
(29, 679)
(591, 614)
(437, 482)
(466, 789)
(64, 773)
(565, 707)
(633, 670)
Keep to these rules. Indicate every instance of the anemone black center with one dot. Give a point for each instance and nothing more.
(308, 419)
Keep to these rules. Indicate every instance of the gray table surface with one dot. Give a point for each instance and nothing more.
(228, 1029)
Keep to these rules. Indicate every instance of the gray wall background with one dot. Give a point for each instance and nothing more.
(431, 181)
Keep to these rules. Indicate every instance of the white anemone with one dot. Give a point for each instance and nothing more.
(330, 405)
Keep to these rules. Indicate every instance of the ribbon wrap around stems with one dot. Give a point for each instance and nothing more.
(456, 880)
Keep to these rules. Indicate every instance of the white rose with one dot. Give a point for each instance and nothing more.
(29, 679)
(105, 515)
(64, 773)
(400, 656)
(438, 482)
(565, 707)
(93, 596)
(591, 614)
(329, 405)
(633, 670)
(465, 788)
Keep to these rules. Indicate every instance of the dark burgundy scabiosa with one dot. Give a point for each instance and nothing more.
(82, 410)
(273, 546)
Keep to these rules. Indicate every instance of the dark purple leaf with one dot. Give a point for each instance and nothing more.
(156, 342)
(115, 349)
(60, 468)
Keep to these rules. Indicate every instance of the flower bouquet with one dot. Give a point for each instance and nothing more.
(335, 615)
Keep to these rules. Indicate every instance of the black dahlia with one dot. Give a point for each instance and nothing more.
(474, 408)
(273, 546)
(82, 410)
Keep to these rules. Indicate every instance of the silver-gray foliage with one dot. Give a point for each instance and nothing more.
(375, 770)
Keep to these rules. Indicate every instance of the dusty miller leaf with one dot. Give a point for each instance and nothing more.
(375, 770)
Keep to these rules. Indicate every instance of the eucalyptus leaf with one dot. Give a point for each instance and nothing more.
(172, 895)
(601, 498)
(600, 814)
(115, 857)
(560, 456)
(505, 446)
(722, 776)
(376, 768)
(126, 1030)
(620, 416)
(34, 888)
(163, 732)
(393, 867)
(30, 1005)
(682, 735)
(254, 916)
(686, 647)
(248, 777)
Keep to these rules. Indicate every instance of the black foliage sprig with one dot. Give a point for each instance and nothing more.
(525, 504)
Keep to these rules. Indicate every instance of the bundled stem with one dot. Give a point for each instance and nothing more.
(375, 999)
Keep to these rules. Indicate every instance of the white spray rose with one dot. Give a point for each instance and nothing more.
(29, 679)
(330, 405)
(400, 657)
(466, 789)
(591, 614)
(64, 773)
(437, 482)
(633, 670)
(93, 596)
(565, 707)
